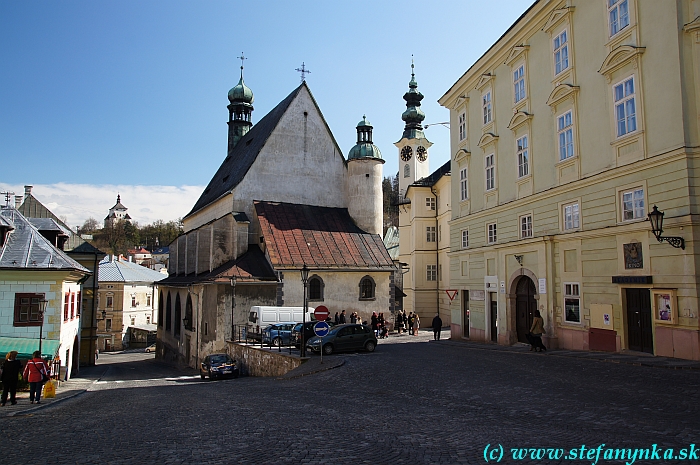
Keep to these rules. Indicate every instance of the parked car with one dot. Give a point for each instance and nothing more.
(344, 338)
(218, 366)
(308, 331)
(278, 333)
(151, 348)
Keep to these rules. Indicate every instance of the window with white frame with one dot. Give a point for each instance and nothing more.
(486, 107)
(572, 303)
(462, 119)
(431, 273)
(618, 15)
(571, 216)
(561, 52)
(519, 83)
(565, 130)
(490, 172)
(463, 184)
(625, 107)
(633, 204)
(406, 171)
(492, 234)
(430, 203)
(465, 238)
(525, 226)
(523, 157)
(430, 233)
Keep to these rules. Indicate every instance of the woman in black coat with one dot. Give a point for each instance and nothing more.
(10, 375)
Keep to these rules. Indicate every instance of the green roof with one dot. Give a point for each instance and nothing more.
(26, 346)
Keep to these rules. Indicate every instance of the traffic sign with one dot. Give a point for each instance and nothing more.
(321, 313)
(321, 328)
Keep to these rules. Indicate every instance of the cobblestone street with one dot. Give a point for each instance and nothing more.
(413, 401)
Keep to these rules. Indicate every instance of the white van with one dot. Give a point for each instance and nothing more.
(262, 316)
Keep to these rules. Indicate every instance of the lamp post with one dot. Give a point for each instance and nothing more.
(186, 322)
(233, 306)
(656, 218)
(305, 280)
(42, 309)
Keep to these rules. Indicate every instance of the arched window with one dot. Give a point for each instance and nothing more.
(406, 171)
(168, 314)
(315, 288)
(188, 313)
(178, 316)
(367, 287)
(160, 309)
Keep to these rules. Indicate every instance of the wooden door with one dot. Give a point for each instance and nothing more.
(525, 306)
(639, 331)
(494, 316)
(465, 312)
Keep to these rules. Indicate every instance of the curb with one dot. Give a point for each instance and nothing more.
(285, 378)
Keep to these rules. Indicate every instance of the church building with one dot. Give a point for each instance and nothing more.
(283, 198)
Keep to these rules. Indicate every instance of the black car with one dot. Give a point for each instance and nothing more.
(344, 338)
(308, 332)
(218, 366)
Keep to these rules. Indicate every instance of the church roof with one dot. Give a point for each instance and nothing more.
(124, 271)
(320, 237)
(434, 177)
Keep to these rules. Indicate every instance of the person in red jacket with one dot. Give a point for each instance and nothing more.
(33, 371)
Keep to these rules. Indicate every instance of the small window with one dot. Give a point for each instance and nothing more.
(430, 203)
(430, 233)
(406, 171)
(525, 226)
(315, 288)
(625, 107)
(133, 320)
(133, 301)
(148, 320)
(618, 15)
(66, 306)
(572, 302)
(523, 157)
(463, 184)
(462, 119)
(565, 129)
(561, 52)
(110, 301)
(571, 216)
(78, 305)
(490, 172)
(108, 324)
(465, 238)
(27, 309)
(367, 287)
(633, 205)
(72, 305)
(492, 233)
(431, 273)
(148, 300)
(486, 106)
(519, 83)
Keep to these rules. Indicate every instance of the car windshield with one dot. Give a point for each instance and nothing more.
(220, 359)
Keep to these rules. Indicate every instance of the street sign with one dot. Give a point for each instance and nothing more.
(321, 328)
(321, 313)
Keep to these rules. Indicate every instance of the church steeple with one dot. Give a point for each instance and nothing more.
(239, 111)
(413, 116)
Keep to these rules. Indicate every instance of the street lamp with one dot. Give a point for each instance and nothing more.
(233, 307)
(186, 322)
(305, 280)
(656, 218)
(42, 309)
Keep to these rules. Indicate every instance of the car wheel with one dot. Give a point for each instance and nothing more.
(276, 342)
(369, 347)
(328, 349)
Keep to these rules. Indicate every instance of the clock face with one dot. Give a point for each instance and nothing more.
(421, 153)
(406, 153)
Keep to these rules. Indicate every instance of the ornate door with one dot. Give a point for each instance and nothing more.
(525, 306)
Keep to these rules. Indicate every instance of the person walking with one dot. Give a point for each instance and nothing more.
(416, 324)
(34, 372)
(405, 321)
(374, 321)
(337, 319)
(10, 375)
(342, 318)
(353, 317)
(399, 321)
(437, 327)
(534, 337)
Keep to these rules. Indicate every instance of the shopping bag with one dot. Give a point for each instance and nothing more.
(50, 389)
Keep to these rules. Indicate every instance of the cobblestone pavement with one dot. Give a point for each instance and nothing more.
(412, 401)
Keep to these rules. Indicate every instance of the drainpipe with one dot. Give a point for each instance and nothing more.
(93, 317)
(437, 252)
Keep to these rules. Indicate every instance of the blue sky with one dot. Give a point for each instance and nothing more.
(111, 95)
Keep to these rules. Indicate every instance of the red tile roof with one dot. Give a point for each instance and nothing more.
(320, 237)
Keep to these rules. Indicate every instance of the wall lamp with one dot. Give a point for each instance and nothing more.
(656, 218)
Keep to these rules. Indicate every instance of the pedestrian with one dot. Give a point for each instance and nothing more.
(342, 318)
(337, 318)
(416, 324)
(374, 322)
(534, 337)
(359, 319)
(437, 327)
(409, 323)
(353, 317)
(97, 354)
(11, 370)
(36, 372)
(405, 320)
(399, 321)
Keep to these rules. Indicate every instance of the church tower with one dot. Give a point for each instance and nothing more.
(365, 181)
(239, 112)
(413, 146)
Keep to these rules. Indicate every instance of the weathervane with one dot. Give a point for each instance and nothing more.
(242, 57)
(303, 71)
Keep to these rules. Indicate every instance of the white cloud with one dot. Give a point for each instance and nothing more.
(78, 202)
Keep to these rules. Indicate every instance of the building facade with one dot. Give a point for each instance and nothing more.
(565, 133)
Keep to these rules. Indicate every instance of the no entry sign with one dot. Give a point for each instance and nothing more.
(321, 313)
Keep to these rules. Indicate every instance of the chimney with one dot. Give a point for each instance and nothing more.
(18, 201)
(27, 191)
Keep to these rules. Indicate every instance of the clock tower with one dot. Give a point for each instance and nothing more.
(413, 146)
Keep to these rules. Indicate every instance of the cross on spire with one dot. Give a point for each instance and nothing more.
(303, 71)
(242, 57)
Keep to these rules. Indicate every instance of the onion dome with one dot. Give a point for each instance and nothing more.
(364, 147)
(413, 116)
(241, 93)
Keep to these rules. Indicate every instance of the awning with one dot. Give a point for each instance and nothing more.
(26, 346)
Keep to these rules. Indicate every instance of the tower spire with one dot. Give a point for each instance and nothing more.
(239, 110)
(413, 116)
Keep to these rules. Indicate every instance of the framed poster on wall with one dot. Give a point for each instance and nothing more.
(665, 306)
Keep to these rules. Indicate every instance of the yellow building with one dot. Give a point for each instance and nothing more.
(565, 134)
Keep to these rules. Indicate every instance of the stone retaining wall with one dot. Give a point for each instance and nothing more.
(254, 361)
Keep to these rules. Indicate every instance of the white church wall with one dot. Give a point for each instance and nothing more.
(365, 190)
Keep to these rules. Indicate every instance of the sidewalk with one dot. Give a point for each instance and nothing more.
(64, 390)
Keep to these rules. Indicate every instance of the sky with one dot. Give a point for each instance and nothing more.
(129, 97)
